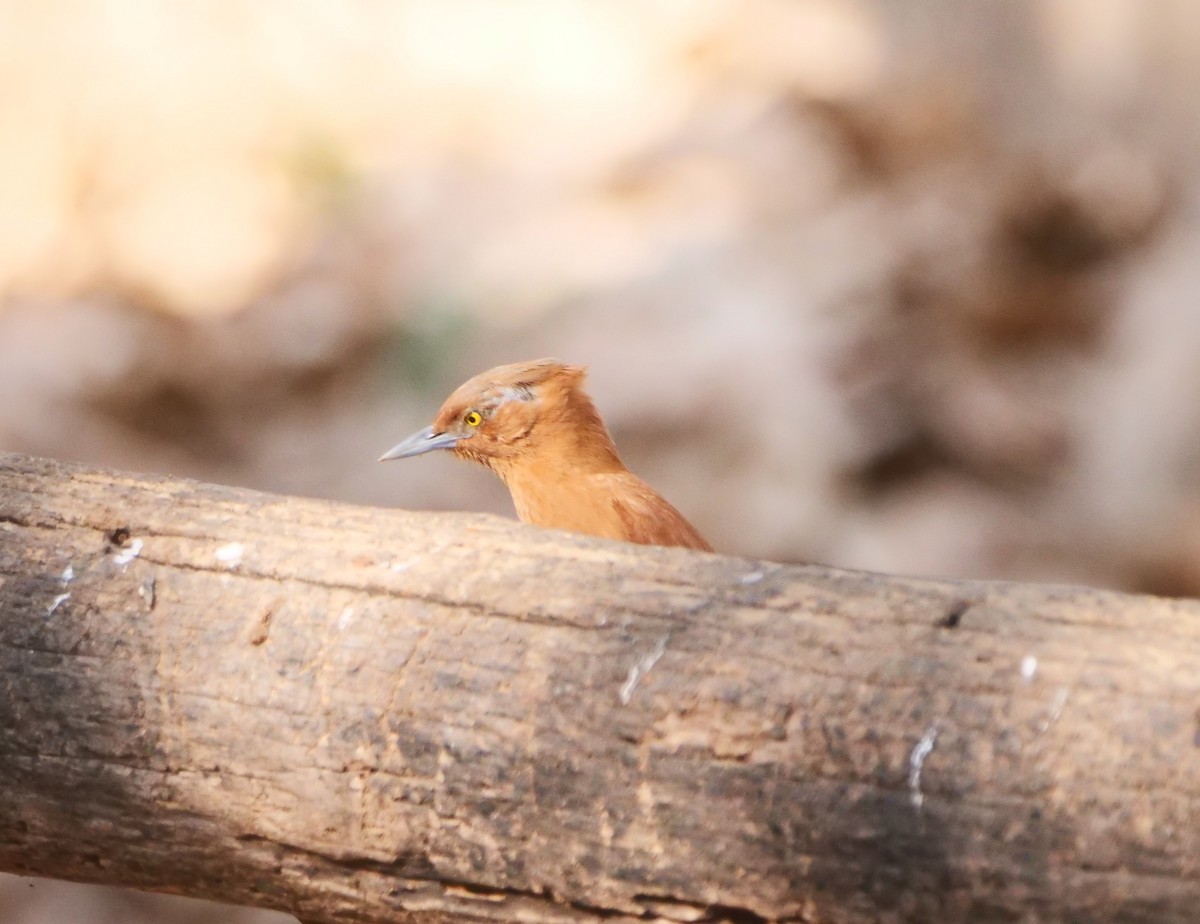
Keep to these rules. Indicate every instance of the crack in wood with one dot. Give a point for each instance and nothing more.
(954, 613)
(415, 867)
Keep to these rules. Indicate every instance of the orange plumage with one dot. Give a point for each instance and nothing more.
(534, 426)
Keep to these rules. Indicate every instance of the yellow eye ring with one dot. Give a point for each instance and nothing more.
(473, 418)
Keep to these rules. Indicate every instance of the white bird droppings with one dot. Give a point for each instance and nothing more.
(753, 577)
(345, 618)
(231, 554)
(639, 670)
(1029, 666)
(56, 603)
(129, 553)
(916, 763)
(1056, 708)
(68, 575)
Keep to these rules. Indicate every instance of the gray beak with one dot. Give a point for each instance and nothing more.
(420, 442)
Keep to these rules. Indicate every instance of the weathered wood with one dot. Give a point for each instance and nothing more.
(368, 715)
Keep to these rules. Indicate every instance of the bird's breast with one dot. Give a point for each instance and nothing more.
(612, 505)
(577, 507)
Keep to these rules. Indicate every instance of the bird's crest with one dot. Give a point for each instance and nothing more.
(524, 382)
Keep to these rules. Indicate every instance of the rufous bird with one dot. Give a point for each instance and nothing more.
(533, 425)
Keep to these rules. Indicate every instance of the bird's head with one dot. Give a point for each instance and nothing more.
(510, 411)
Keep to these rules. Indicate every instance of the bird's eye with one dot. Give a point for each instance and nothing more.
(473, 418)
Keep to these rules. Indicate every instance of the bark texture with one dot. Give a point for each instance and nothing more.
(368, 715)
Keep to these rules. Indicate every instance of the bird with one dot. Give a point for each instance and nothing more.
(535, 427)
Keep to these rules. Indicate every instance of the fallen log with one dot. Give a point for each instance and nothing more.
(367, 715)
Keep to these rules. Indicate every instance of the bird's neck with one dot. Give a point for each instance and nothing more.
(559, 490)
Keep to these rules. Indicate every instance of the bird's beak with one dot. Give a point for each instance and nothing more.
(421, 441)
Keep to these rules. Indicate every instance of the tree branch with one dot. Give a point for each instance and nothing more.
(367, 715)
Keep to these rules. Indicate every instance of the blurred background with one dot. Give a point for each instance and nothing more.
(912, 287)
